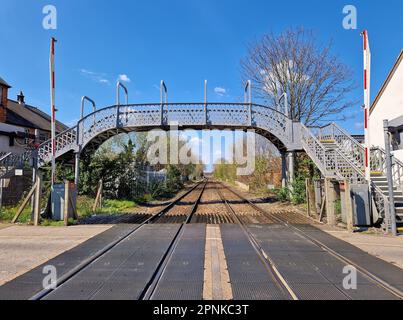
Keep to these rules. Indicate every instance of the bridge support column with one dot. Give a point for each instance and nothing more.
(77, 169)
(331, 196)
(348, 204)
(291, 169)
(283, 170)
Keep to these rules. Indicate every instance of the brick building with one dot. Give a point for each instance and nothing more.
(21, 124)
(21, 127)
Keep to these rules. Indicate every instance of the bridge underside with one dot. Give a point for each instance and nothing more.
(92, 146)
(95, 143)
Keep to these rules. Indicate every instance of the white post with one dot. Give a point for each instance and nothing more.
(367, 103)
(53, 108)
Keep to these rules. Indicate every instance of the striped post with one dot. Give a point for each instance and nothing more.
(53, 107)
(367, 103)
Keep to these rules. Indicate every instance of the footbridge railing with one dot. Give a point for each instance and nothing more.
(345, 142)
(332, 162)
(189, 115)
(11, 161)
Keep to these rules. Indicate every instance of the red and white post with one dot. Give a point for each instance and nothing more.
(367, 103)
(53, 107)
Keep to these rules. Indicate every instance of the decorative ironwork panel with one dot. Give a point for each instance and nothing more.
(378, 165)
(64, 142)
(347, 144)
(228, 115)
(140, 115)
(185, 114)
(272, 121)
(154, 115)
(315, 150)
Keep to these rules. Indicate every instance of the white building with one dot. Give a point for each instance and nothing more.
(388, 105)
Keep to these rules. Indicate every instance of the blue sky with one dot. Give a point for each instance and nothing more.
(182, 42)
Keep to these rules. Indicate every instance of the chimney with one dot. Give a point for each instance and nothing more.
(4, 86)
(21, 98)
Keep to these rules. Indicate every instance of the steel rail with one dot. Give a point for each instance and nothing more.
(266, 260)
(277, 271)
(369, 275)
(73, 272)
(149, 289)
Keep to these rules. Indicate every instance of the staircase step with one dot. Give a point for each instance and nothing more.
(381, 183)
(377, 174)
(398, 204)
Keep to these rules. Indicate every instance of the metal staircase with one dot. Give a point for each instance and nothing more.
(9, 162)
(340, 156)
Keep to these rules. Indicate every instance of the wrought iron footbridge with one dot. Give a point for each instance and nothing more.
(100, 125)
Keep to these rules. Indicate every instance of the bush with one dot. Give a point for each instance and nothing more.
(283, 194)
(298, 194)
(174, 179)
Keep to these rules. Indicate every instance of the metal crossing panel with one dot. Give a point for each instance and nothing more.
(183, 277)
(30, 283)
(310, 271)
(123, 272)
(249, 277)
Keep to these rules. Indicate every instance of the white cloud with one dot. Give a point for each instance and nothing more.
(195, 140)
(94, 76)
(359, 125)
(124, 78)
(220, 91)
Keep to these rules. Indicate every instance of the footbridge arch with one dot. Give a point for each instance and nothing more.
(95, 128)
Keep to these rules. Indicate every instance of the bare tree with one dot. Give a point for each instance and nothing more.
(317, 82)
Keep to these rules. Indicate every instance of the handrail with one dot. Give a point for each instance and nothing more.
(64, 132)
(183, 104)
(248, 92)
(83, 99)
(248, 99)
(378, 163)
(163, 89)
(5, 156)
(306, 131)
(285, 97)
(340, 137)
(118, 86)
(337, 165)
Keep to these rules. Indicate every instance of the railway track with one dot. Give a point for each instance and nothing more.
(264, 258)
(227, 206)
(194, 193)
(269, 262)
(186, 213)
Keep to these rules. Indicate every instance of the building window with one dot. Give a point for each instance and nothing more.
(1, 96)
(397, 140)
